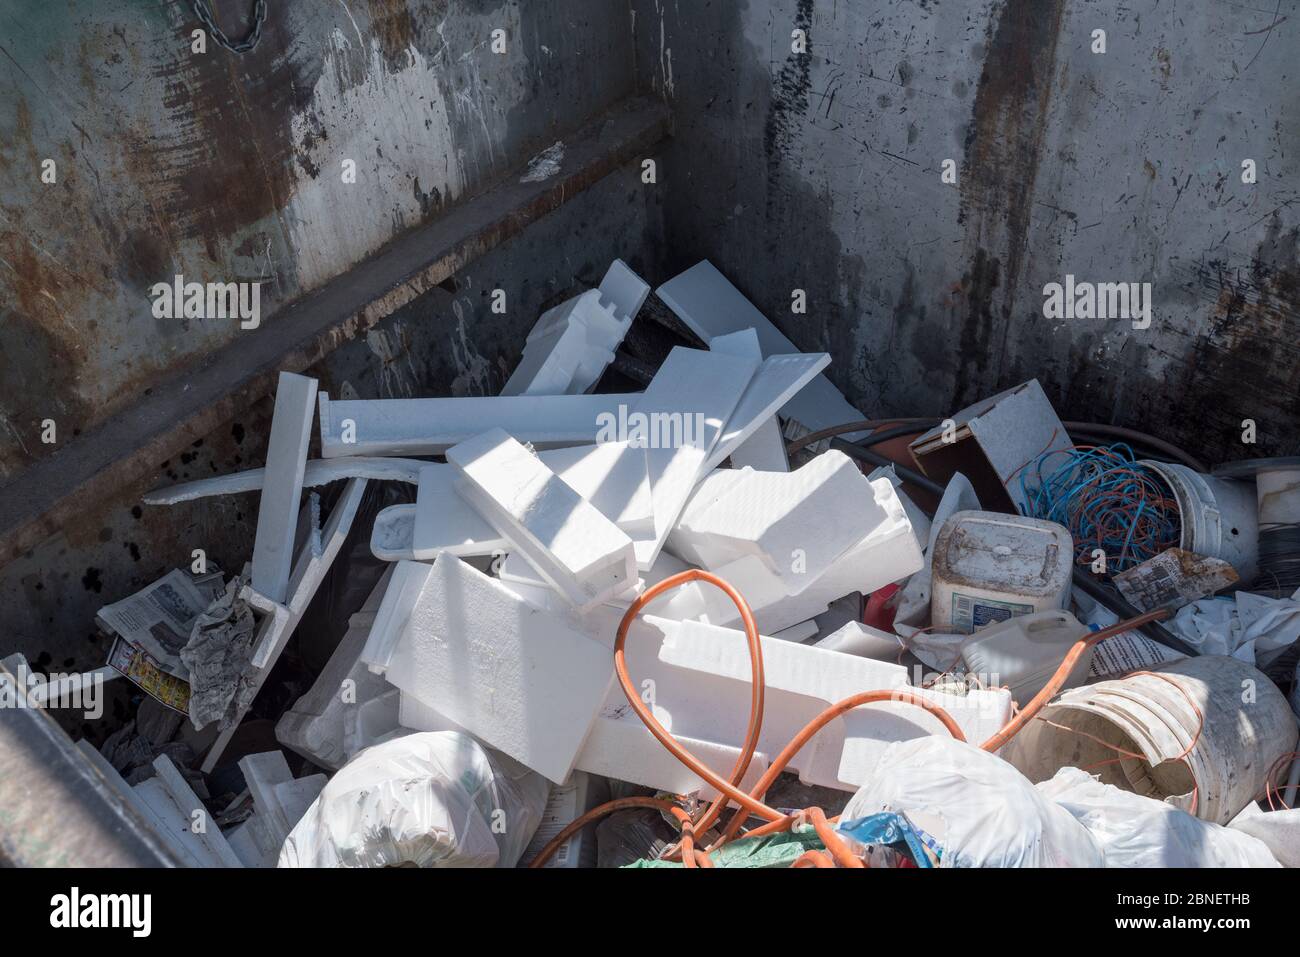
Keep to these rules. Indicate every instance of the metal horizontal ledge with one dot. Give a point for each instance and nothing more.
(190, 403)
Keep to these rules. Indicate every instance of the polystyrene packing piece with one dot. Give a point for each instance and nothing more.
(431, 426)
(176, 804)
(801, 681)
(777, 378)
(572, 343)
(168, 804)
(764, 451)
(711, 306)
(611, 476)
(278, 621)
(855, 638)
(577, 549)
(681, 417)
(698, 677)
(279, 798)
(286, 461)
(798, 523)
(318, 472)
(519, 679)
(314, 726)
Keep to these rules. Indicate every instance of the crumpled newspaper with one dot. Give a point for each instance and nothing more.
(219, 656)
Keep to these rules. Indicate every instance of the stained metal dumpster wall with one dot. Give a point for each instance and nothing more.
(225, 168)
(823, 172)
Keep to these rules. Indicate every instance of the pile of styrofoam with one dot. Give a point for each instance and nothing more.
(542, 513)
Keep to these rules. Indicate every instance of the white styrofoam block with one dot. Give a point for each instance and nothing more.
(624, 289)
(577, 549)
(403, 592)
(167, 810)
(318, 472)
(765, 448)
(777, 378)
(611, 476)
(887, 553)
(801, 681)
(280, 799)
(855, 638)
(286, 461)
(519, 679)
(431, 426)
(262, 772)
(699, 676)
(572, 343)
(711, 306)
(798, 522)
(764, 451)
(621, 747)
(697, 391)
(315, 726)
(392, 537)
(178, 808)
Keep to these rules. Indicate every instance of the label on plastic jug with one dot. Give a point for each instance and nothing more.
(972, 612)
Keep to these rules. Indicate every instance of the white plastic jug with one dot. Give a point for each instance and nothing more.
(989, 566)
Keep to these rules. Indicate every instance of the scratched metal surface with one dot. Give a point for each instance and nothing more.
(1123, 166)
(228, 168)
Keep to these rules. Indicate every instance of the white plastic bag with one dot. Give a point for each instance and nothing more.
(1137, 831)
(436, 799)
(973, 807)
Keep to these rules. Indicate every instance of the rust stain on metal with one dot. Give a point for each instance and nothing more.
(1003, 151)
(126, 450)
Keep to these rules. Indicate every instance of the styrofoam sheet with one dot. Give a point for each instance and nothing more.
(698, 390)
(431, 426)
(286, 461)
(711, 306)
(317, 472)
(521, 680)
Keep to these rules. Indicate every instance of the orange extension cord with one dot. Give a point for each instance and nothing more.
(837, 853)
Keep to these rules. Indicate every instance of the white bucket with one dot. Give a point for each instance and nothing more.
(1225, 769)
(1219, 516)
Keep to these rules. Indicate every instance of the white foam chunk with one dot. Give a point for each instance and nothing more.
(764, 451)
(711, 306)
(683, 411)
(797, 523)
(519, 679)
(709, 695)
(571, 544)
(572, 343)
(286, 461)
(611, 476)
(777, 378)
(431, 426)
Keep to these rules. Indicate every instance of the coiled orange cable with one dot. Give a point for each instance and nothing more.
(751, 804)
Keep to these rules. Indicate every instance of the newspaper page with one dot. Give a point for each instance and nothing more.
(137, 665)
(158, 618)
